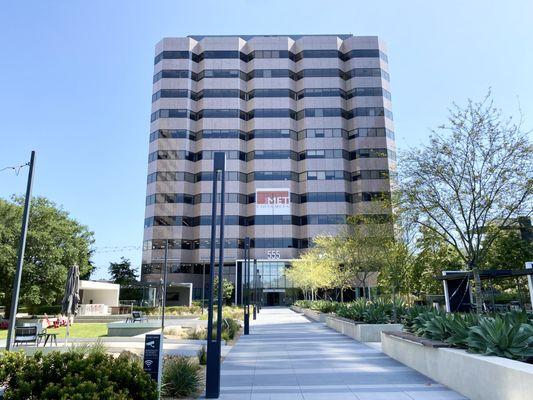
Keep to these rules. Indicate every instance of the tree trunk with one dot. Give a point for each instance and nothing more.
(478, 293)
(7, 305)
(342, 296)
(394, 312)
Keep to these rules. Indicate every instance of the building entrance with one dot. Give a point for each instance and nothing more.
(272, 299)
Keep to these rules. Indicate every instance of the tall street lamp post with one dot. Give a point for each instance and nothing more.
(212, 390)
(20, 260)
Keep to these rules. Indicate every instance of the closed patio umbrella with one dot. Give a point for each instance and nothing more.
(69, 305)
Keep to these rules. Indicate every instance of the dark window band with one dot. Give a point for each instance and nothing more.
(256, 93)
(204, 220)
(272, 154)
(272, 113)
(311, 197)
(233, 54)
(229, 243)
(272, 73)
(271, 176)
(270, 134)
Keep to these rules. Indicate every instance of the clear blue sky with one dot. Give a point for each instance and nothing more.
(76, 79)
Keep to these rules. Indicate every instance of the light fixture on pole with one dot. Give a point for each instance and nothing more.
(255, 288)
(246, 285)
(20, 259)
(212, 387)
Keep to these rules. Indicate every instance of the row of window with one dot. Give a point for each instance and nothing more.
(272, 73)
(272, 113)
(256, 93)
(271, 154)
(261, 54)
(312, 197)
(270, 176)
(194, 244)
(204, 220)
(270, 133)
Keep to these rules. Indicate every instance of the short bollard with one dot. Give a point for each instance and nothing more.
(246, 324)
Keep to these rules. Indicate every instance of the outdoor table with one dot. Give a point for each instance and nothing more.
(48, 336)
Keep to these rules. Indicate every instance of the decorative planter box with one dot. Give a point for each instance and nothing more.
(359, 331)
(296, 309)
(474, 376)
(315, 315)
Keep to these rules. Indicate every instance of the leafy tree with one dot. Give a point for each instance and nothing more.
(476, 172)
(363, 244)
(433, 255)
(227, 290)
(315, 268)
(125, 275)
(122, 272)
(54, 243)
(509, 251)
(345, 261)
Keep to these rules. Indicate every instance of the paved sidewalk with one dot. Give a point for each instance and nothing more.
(288, 357)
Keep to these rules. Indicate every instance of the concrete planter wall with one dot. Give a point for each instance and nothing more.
(474, 376)
(360, 332)
(315, 315)
(296, 309)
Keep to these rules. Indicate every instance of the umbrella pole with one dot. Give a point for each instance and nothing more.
(68, 321)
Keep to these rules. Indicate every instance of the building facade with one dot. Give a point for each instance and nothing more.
(307, 128)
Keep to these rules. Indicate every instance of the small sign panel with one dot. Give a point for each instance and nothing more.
(272, 202)
(152, 356)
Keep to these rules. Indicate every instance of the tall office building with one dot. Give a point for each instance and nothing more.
(306, 125)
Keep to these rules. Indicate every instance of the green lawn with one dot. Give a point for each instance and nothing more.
(89, 330)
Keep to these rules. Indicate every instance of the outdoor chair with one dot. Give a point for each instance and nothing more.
(26, 334)
(137, 316)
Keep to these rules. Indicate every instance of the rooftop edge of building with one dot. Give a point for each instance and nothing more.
(342, 36)
(286, 42)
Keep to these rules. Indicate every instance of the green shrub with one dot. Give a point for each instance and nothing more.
(44, 309)
(230, 327)
(354, 311)
(73, 375)
(181, 377)
(303, 303)
(377, 312)
(324, 306)
(202, 355)
(420, 321)
(500, 336)
(459, 326)
(171, 310)
(409, 317)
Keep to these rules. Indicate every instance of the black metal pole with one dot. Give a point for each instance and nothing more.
(246, 285)
(255, 288)
(20, 260)
(212, 390)
(203, 287)
(164, 294)
(222, 161)
(212, 383)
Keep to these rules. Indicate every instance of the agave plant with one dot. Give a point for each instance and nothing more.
(419, 323)
(437, 328)
(377, 313)
(500, 336)
(409, 316)
(353, 310)
(459, 326)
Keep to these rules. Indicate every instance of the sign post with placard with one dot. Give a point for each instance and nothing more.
(153, 363)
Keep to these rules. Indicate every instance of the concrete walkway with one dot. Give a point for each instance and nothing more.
(288, 357)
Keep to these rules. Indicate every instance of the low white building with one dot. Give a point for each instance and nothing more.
(97, 297)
